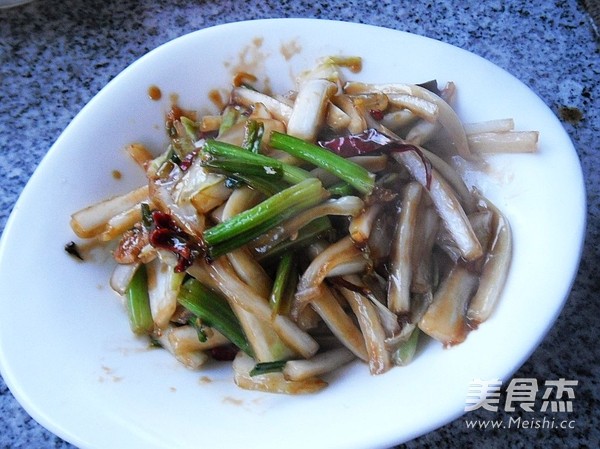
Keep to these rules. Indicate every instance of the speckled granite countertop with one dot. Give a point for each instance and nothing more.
(55, 55)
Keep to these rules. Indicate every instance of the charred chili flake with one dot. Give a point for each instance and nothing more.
(371, 141)
(224, 353)
(73, 250)
(403, 319)
(188, 160)
(167, 235)
(366, 142)
(431, 86)
(377, 114)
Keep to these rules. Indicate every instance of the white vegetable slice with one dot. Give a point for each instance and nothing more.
(246, 267)
(445, 317)
(122, 275)
(192, 359)
(401, 266)
(92, 220)
(446, 204)
(338, 321)
(185, 339)
(318, 365)
(238, 293)
(422, 258)
(271, 382)
(309, 108)
(421, 108)
(447, 117)
(495, 269)
(120, 223)
(504, 142)
(490, 126)
(249, 97)
(338, 259)
(163, 287)
(356, 123)
(373, 331)
(423, 131)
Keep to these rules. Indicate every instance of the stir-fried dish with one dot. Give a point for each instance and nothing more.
(296, 232)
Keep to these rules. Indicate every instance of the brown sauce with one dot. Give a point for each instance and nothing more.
(354, 65)
(215, 98)
(242, 78)
(289, 49)
(154, 93)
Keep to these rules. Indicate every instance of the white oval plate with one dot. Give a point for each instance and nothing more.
(66, 351)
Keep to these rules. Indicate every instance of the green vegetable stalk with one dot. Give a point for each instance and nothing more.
(268, 367)
(284, 285)
(225, 152)
(247, 225)
(214, 311)
(355, 175)
(138, 303)
(253, 136)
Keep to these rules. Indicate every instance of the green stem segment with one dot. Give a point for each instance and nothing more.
(138, 303)
(317, 228)
(267, 187)
(214, 311)
(406, 351)
(341, 189)
(267, 367)
(239, 167)
(284, 285)
(229, 118)
(355, 175)
(253, 134)
(247, 225)
(226, 151)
